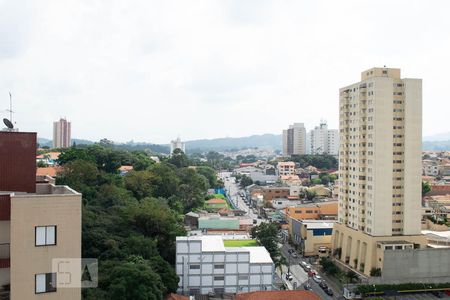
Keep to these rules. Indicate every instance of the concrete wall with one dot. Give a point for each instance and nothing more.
(417, 265)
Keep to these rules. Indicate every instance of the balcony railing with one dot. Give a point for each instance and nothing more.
(4, 256)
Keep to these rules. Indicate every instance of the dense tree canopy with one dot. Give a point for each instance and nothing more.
(130, 222)
(319, 161)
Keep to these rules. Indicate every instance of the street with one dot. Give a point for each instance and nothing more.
(301, 277)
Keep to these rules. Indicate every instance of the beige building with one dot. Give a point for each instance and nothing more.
(294, 140)
(37, 224)
(286, 168)
(61, 134)
(379, 168)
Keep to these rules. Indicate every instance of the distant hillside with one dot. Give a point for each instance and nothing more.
(436, 145)
(43, 142)
(270, 141)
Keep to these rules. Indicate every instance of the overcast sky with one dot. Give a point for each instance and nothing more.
(155, 70)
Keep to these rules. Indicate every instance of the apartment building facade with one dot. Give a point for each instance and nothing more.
(286, 168)
(62, 134)
(379, 166)
(205, 265)
(322, 140)
(294, 140)
(39, 222)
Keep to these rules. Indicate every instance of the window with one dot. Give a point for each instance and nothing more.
(45, 283)
(219, 266)
(194, 267)
(219, 278)
(45, 235)
(243, 277)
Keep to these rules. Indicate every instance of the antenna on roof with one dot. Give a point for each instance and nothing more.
(10, 108)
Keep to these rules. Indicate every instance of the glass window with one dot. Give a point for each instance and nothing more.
(45, 235)
(45, 283)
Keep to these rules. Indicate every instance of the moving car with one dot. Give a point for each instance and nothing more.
(317, 278)
(323, 285)
(329, 292)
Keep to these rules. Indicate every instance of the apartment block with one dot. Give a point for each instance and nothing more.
(313, 236)
(39, 222)
(177, 144)
(206, 265)
(294, 140)
(322, 140)
(62, 134)
(379, 167)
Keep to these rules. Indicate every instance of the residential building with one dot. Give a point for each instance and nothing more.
(430, 168)
(62, 134)
(206, 265)
(313, 211)
(313, 236)
(294, 140)
(274, 192)
(286, 168)
(282, 203)
(39, 222)
(379, 167)
(322, 140)
(177, 144)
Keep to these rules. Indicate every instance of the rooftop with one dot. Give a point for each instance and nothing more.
(399, 242)
(318, 224)
(216, 201)
(279, 295)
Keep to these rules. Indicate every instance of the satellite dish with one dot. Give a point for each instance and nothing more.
(8, 123)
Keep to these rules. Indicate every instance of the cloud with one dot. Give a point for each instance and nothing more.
(153, 70)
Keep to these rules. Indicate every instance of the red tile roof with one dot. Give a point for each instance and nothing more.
(279, 295)
(216, 201)
(50, 171)
(176, 297)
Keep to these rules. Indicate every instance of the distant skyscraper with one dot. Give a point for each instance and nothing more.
(177, 144)
(379, 168)
(294, 140)
(61, 134)
(322, 140)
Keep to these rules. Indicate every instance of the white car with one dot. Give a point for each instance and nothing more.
(317, 278)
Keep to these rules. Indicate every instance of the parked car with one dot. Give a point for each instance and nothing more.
(290, 251)
(317, 278)
(323, 285)
(329, 291)
(307, 287)
(294, 255)
(303, 264)
(289, 277)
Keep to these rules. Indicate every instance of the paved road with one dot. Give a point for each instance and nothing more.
(301, 277)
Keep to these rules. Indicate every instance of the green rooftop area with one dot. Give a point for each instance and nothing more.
(240, 243)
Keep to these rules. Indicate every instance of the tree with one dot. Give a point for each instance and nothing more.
(210, 174)
(266, 234)
(179, 159)
(316, 181)
(375, 272)
(426, 188)
(140, 183)
(329, 266)
(141, 161)
(245, 181)
(310, 194)
(351, 276)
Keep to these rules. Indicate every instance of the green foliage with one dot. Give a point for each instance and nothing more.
(266, 234)
(179, 159)
(245, 181)
(319, 161)
(426, 188)
(375, 272)
(316, 181)
(130, 223)
(310, 195)
(210, 174)
(329, 266)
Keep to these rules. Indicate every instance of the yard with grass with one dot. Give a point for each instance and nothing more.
(240, 243)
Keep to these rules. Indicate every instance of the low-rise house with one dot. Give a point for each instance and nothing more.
(49, 158)
(313, 211)
(282, 203)
(279, 295)
(216, 203)
(124, 170)
(206, 265)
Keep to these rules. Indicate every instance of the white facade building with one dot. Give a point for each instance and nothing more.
(177, 144)
(322, 140)
(61, 134)
(205, 265)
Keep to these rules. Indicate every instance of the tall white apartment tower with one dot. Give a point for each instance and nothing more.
(177, 144)
(379, 166)
(294, 140)
(61, 134)
(322, 140)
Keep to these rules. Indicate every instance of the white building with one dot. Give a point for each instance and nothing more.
(205, 265)
(286, 168)
(294, 140)
(177, 144)
(322, 140)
